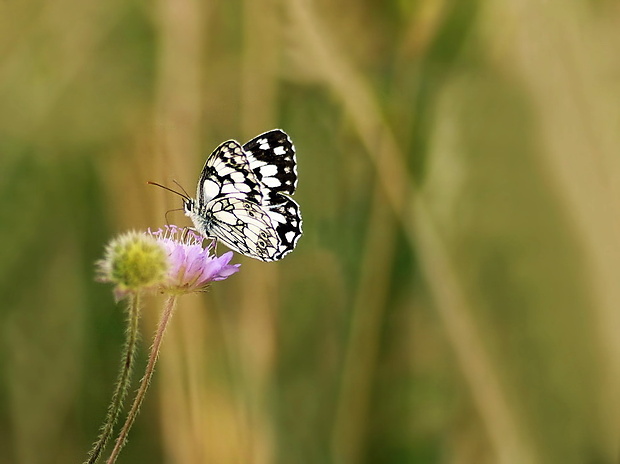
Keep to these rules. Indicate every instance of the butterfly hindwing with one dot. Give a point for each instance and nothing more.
(243, 226)
(227, 173)
(271, 157)
(286, 220)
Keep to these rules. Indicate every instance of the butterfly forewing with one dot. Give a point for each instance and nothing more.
(227, 173)
(271, 157)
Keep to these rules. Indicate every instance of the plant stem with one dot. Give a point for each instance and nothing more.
(146, 380)
(123, 382)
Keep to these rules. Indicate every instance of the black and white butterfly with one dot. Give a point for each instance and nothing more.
(243, 197)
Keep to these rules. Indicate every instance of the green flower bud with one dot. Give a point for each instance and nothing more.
(133, 262)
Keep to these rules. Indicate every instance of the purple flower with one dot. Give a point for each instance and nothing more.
(192, 267)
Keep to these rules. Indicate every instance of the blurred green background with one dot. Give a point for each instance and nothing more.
(455, 296)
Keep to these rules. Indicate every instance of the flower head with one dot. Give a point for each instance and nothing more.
(133, 262)
(192, 267)
(169, 259)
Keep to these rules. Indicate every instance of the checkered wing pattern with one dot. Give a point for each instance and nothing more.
(243, 226)
(272, 159)
(242, 197)
(227, 173)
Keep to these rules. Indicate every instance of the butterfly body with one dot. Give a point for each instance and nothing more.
(242, 198)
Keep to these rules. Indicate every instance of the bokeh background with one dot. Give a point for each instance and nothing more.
(455, 297)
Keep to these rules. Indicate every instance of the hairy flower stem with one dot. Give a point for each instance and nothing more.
(146, 380)
(124, 379)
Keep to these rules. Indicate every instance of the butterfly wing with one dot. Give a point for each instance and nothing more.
(271, 157)
(286, 220)
(227, 172)
(242, 199)
(244, 227)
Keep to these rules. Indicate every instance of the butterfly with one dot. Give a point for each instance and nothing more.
(243, 197)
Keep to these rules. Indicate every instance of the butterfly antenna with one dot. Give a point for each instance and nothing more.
(181, 187)
(183, 195)
(170, 211)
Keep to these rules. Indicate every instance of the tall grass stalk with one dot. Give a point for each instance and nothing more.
(351, 425)
(364, 111)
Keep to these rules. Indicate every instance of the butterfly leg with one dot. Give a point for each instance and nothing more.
(212, 244)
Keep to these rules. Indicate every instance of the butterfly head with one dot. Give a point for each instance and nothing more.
(189, 204)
